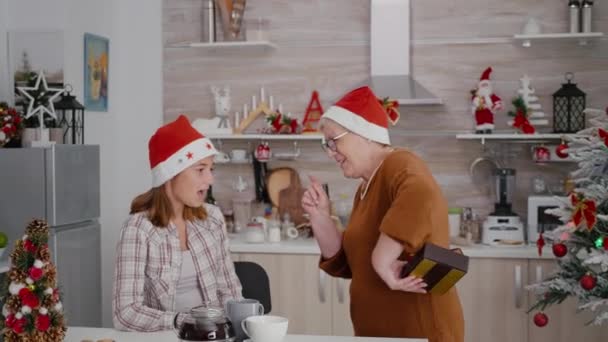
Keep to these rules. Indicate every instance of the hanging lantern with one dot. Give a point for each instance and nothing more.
(568, 107)
(70, 114)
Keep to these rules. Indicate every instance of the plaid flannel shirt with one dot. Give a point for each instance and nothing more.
(148, 265)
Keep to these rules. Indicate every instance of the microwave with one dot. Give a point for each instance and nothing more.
(538, 220)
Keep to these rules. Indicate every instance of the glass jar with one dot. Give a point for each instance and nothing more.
(206, 323)
(242, 213)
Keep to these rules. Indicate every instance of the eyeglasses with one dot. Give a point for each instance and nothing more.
(330, 144)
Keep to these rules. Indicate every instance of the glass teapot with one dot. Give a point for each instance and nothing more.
(206, 323)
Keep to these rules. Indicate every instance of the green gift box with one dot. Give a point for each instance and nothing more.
(439, 267)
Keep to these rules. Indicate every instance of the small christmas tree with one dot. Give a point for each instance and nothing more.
(581, 243)
(32, 308)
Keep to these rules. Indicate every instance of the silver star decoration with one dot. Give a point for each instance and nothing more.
(53, 93)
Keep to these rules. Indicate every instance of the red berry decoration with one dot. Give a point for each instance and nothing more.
(540, 319)
(560, 249)
(588, 282)
(561, 150)
(605, 243)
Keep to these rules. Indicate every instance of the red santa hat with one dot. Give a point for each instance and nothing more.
(360, 112)
(485, 76)
(175, 147)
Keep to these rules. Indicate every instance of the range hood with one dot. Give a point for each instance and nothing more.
(390, 55)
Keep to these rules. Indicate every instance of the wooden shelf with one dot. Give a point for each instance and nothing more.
(261, 45)
(288, 137)
(522, 138)
(583, 38)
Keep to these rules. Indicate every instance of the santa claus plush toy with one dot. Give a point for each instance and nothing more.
(485, 104)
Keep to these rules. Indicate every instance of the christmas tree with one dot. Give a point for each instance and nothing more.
(581, 242)
(32, 308)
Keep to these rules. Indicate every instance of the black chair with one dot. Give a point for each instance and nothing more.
(255, 282)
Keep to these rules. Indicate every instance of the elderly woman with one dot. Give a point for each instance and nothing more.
(397, 208)
(173, 249)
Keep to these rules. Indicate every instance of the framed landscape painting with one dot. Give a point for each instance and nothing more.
(96, 52)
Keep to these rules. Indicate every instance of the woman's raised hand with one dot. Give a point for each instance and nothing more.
(315, 201)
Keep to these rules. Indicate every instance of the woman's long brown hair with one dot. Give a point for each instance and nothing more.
(156, 202)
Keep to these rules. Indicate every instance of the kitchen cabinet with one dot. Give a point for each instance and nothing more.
(564, 323)
(493, 294)
(494, 300)
(299, 290)
(341, 322)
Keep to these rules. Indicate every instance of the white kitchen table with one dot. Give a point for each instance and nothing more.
(77, 334)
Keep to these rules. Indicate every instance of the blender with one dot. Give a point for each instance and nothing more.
(503, 226)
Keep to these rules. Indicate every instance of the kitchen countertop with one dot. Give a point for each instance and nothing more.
(238, 244)
(78, 334)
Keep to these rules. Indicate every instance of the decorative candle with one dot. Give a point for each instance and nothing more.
(271, 102)
(262, 97)
(254, 105)
(280, 108)
(237, 121)
(245, 111)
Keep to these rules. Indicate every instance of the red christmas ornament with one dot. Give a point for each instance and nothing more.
(603, 135)
(36, 273)
(28, 298)
(540, 243)
(560, 249)
(19, 325)
(561, 150)
(588, 282)
(43, 322)
(605, 243)
(540, 319)
(10, 320)
(24, 292)
(29, 246)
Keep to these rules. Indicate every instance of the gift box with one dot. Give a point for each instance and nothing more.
(441, 268)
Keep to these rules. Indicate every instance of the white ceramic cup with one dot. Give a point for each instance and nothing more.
(265, 328)
(238, 155)
(221, 157)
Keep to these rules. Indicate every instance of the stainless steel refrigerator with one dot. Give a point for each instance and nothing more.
(59, 184)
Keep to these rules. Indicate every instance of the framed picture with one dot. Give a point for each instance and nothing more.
(29, 53)
(96, 52)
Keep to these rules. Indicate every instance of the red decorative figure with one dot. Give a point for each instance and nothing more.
(485, 103)
(313, 113)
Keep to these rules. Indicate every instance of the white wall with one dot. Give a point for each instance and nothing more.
(135, 94)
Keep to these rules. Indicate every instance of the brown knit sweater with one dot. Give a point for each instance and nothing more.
(403, 201)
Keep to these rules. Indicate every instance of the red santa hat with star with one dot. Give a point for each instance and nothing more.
(362, 113)
(175, 147)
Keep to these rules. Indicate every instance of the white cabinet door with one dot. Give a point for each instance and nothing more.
(341, 323)
(494, 300)
(565, 324)
(299, 291)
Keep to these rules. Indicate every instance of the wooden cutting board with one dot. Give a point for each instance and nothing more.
(277, 180)
(290, 199)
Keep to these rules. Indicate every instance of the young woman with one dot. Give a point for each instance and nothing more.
(173, 250)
